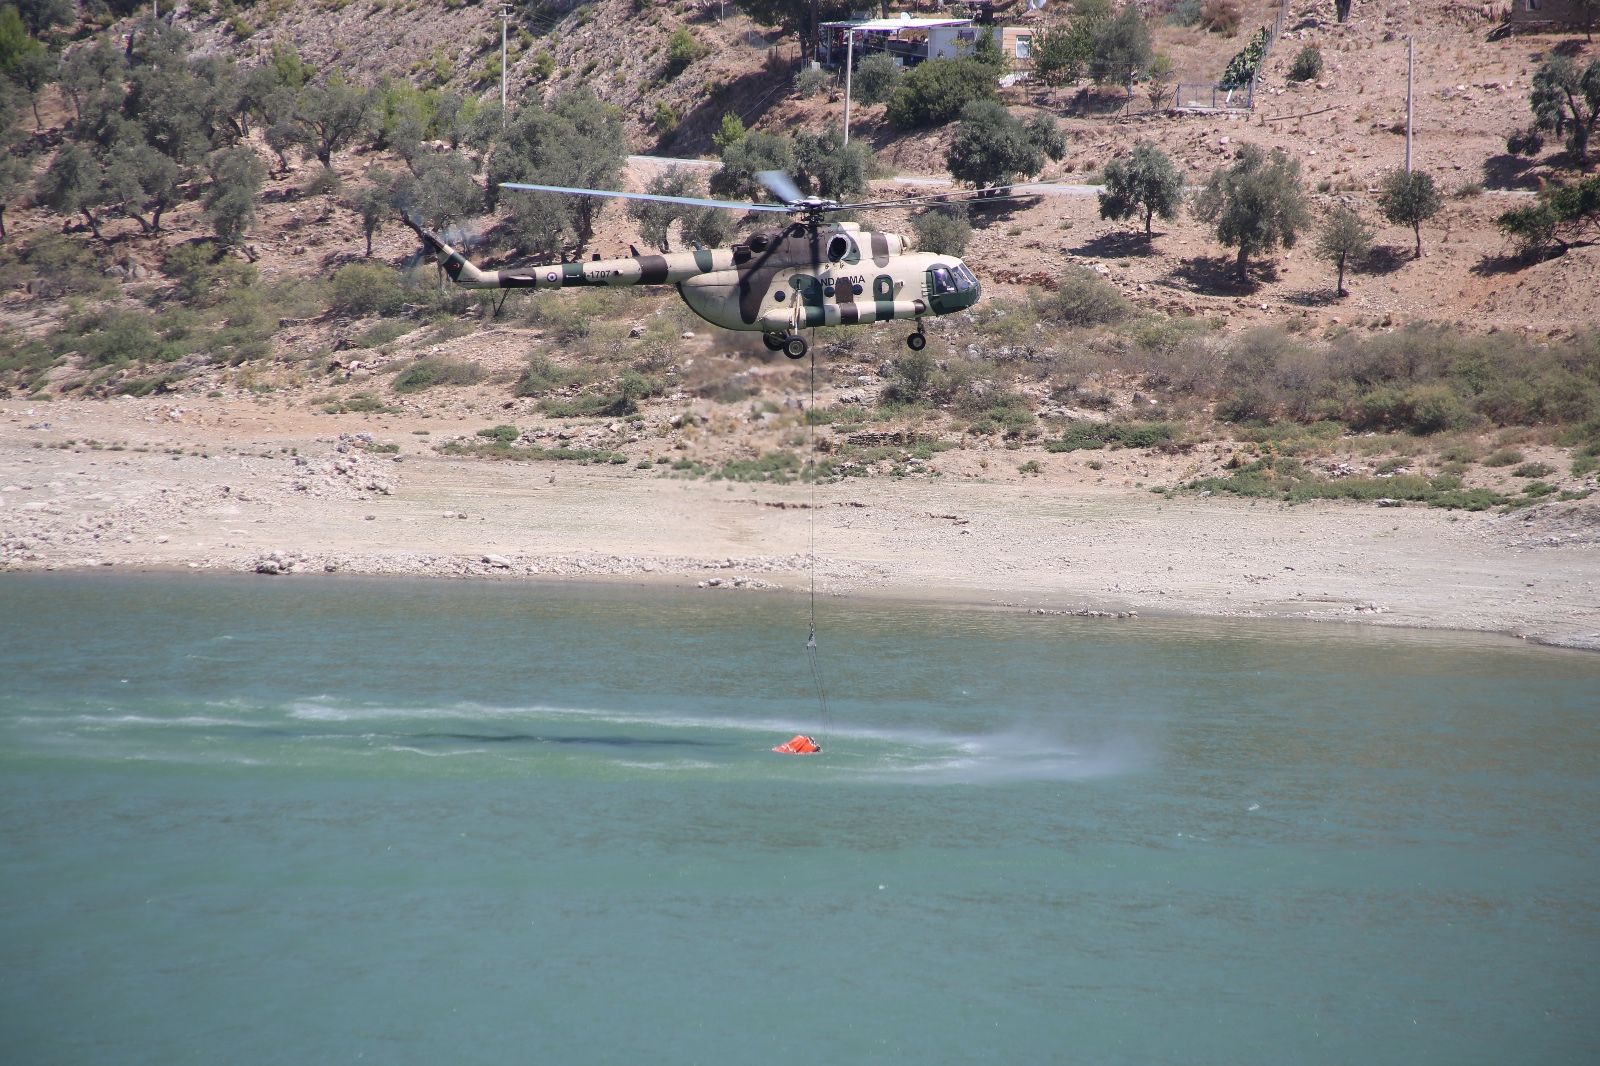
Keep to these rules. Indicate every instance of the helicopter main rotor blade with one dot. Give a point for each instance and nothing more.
(1011, 193)
(781, 185)
(692, 201)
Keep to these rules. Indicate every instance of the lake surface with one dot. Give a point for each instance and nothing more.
(324, 820)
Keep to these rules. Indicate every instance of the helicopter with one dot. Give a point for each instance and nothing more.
(810, 273)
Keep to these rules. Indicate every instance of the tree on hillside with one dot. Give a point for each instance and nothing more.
(827, 167)
(90, 71)
(73, 185)
(943, 229)
(1566, 100)
(15, 172)
(1256, 204)
(373, 202)
(331, 118)
(42, 15)
(15, 43)
(31, 73)
(1588, 9)
(991, 147)
(1122, 49)
(1159, 78)
(743, 159)
(577, 141)
(230, 200)
(1409, 200)
(701, 225)
(876, 78)
(934, 92)
(1146, 181)
(439, 189)
(1343, 238)
(142, 181)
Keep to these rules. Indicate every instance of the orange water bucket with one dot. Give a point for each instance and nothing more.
(800, 745)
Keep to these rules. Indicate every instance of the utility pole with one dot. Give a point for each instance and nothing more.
(1411, 54)
(849, 66)
(505, 13)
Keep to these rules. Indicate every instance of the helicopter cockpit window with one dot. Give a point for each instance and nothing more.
(966, 280)
(942, 281)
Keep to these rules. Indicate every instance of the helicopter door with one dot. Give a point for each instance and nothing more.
(808, 294)
(883, 296)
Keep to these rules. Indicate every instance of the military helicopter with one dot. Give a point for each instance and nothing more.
(811, 273)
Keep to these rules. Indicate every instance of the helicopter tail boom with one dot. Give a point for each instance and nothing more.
(636, 270)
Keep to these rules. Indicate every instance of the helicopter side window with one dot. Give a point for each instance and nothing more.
(942, 281)
(883, 287)
(965, 279)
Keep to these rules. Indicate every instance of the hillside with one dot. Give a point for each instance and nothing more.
(267, 324)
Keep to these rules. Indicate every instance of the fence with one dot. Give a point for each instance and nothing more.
(1204, 96)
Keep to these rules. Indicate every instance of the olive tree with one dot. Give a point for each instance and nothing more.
(1566, 100)
(943, 229)
(1409, 199)
(876, 78)
(991, 147)
(330, 118)
(825, 166)
(142, 181)
(373, 203)
(74, 184)
(1146, 181)
(230, 200)
(1343, 238)
(744, 158)
(1256, 204)
(1122, 48)
(577, 141)
(14, 174)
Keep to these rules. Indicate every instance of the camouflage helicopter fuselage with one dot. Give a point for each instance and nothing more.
(774, 282)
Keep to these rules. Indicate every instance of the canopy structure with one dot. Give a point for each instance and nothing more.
(908, 39)
(894, 25)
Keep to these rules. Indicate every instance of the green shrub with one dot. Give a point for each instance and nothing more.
(781, 467)
(1091, 436)
(541, 375)
(1184, 13)
(682, 50)
(366, 289)
(1307, 65)
(362, 403)
(1242, 67)
(380, 334)
(934, 92)
(876, 78)
(1289, 480)
(1503, 457)
(503, 434)
(437, 370)
(943, 230)
(1083, 298)
(1533, 470)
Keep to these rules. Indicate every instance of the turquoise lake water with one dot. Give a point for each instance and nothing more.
(327, 820)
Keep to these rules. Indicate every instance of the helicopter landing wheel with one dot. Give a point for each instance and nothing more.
(917, 341)
(795, 347)
(773, 342)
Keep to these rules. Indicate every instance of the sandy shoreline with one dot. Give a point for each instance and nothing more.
(1044, 544)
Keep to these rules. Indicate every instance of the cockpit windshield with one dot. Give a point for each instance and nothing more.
(966, 280)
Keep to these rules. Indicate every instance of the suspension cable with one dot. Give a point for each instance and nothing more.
(811, 551)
